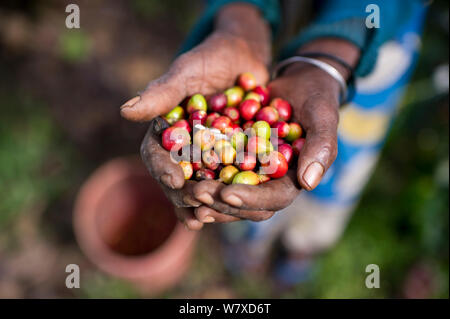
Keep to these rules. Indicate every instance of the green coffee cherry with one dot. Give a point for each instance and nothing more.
(176, 114)
(262, 129)
(239, 141)
(234, 96)
(227, 174)
(196, 103)
(247, 177)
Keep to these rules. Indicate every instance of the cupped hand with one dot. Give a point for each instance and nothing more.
(211, 200)
(240, 43)
(314, 97)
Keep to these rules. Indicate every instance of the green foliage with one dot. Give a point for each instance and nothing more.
(34, 160)
(74, 45)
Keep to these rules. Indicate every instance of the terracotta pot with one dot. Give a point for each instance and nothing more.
(126, 226)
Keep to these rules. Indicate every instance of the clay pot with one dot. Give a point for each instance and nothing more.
(126, 226)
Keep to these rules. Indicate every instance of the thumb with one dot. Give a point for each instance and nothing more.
(320, 148)
(160, 96)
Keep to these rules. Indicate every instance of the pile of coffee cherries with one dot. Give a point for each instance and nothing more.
(238, 136)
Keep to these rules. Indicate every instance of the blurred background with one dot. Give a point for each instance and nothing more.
(60, 90)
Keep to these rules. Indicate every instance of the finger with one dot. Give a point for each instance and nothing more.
(273, 195)
(320, 148)
(187, 217)
(256, 216)
(206, 214)
(160, 96)
(182, 197)
(159, 162)
(208, 192)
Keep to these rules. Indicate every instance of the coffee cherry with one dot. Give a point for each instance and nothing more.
(199, 117)
(247, 125)
(196, 103)
(234, 96)
(263, 178)
(232, 113)
(210, 159)
(217, 102)
(188, 153)
(282, 128)
(174, 138)
(221, 123)
(204, 174)
(239, 141)
(263, 93)
(287, 151)
(247, 81)
(187, 169)
(197, 166)
(259, 146)
(276, 141)
(204, 139)
(183, 124)
(210, 118)
(249, 108)
(262, 129)
(268, 114)
(227, 174)
(297, 145)
(226, 152)
(283, 107)
(176, 114)
(246, 161)
(227, 155)
(235, 127)
(247, 177)
(221, 144)
(274, 165)
(295, 131)
(252, 96)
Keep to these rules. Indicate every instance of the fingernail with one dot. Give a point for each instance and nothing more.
(131, 102)
(313, 174)
(190, 201)
(234, 200)
(209, 219)
(206, 198)
(167, 180)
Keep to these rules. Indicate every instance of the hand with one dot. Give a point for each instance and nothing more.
(314, 96)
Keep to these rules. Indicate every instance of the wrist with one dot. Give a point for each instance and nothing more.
(244, 23)
(340, 48)
(317, 80)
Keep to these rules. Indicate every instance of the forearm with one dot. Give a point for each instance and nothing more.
(245, 22)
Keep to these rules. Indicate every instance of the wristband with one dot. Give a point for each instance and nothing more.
(332, 71)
